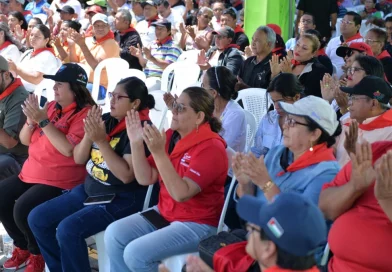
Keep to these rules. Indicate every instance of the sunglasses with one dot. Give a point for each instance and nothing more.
(178, 107)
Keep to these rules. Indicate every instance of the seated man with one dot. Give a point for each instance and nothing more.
(12, 95)
(37, 7)
(229, 18)
(92, 50)
(361, 235)
(162, 53)
(126, 36)
(306, 22)
(145, 27)
(166, 12)
(369, 111)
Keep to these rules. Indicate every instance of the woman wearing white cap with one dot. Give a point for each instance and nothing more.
(303, 163)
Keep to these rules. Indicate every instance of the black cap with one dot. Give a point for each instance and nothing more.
(225, 31)
(67, 9)
(162, 22)
(70, 72)
(373, 87)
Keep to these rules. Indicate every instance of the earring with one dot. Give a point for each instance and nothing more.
(311, 147)
(197, 128)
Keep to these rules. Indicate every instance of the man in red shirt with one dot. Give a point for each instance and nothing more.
(361, 235)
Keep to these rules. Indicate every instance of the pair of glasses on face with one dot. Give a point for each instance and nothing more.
(346, 22)
(178, 107)
(353, 98)
(250, 228)
(292, 123)
(307, 22)
(368, 41)
(116, 97)
(352, 70)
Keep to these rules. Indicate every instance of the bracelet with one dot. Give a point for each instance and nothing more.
(30, 126)
(267, 186)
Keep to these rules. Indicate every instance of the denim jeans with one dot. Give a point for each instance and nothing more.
(62, 224)
(101, 92)
(133, 244)
(8, 166)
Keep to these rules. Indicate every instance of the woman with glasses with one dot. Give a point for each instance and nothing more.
(190, 162)
(305, 160)
(106, 153)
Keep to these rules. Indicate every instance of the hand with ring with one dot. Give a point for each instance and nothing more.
(154, 139)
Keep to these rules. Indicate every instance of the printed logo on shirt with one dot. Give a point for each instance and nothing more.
(185, 160)
(96, 167)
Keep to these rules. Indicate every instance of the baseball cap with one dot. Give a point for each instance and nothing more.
(150, 2)
(276, 29)
(101, 3)
(373, 87)
(70, 72)
(162, 22)
(5, 1)
(292, 222)
(3, 64)
(95, 9)
(100, 17)
(67, 9)
(317, 109)
(225, 31)
(358, 46)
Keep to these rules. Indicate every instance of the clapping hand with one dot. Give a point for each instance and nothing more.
(147, 53)
(248, 52)
(19, 33)
(134, 127)
(135, 51)
(256, 170)
(191, 32)
(350, 142)
(32, 110)
(383, 186)
(169, 100)
(76, 37)
(238, 166)
(274, 65)
(328, 86)
(154, 139)
(285, 65)
(94, 126)
(362, 173)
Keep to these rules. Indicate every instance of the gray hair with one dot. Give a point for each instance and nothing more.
(126, 15)
(8, 35)
(271, 36)
(204, 9)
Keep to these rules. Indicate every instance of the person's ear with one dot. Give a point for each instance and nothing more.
(136, 103)
(316, 134)
(269, 250)
(297, 97)
(200, 118)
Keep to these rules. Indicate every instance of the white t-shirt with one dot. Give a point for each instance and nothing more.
(179, 9)
(45, 62)
(290, 44)
(175, 19)
(147, 34)
(335, 59)
(11, 52)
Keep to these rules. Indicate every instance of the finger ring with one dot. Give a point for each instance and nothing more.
(326, 85)
(150, 139)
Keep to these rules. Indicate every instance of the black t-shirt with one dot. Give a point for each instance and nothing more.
(125, 41)
(321, 10)
(100, 179)
(256, 75)
(241, 40)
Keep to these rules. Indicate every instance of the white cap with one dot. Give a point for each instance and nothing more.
(317, 109)
(100, 17)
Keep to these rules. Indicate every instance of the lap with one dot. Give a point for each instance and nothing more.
(11, 189)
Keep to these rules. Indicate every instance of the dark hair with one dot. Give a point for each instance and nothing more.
(381, 34)
(230, 12)
(82, 95)
(38, 20)
(165, 3)
(325, 137)
(388, 19)
(309, 14)
(287, 84)
(136, 89)
(357, 18)
(223, 81)
(314, 32)
(201, 100)
(371, 65)
(45, 31)
(18, 15)
(287, 260)
(74, 25)
(279, 43)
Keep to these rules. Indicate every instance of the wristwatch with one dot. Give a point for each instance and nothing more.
(43, 123)
(267, 186)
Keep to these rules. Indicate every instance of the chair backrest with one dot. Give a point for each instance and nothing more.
(334, 69)
(251, 127)
(41, 16)
(134, 73)
(158, 114)
(179, 75)
(189, 56)
(255, 101)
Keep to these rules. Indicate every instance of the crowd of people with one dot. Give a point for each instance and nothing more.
(317, 176)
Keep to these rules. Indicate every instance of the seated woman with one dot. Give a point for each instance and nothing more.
(17, 24)
(283, 88)
(61, 41)
(321, 55)
(9, 46)
(191, 163)
(34, 63)
(303, 163)
(61, 233)
(304, 64)
(51, 134)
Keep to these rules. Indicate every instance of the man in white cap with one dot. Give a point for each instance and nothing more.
(92, 50)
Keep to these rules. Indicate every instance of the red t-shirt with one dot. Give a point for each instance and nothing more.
(206, 164)
(45, 164)
(361, 238)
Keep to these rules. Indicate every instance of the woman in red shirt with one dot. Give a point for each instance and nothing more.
(191, 164)
(51, 134)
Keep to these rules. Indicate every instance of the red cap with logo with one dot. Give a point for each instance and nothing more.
(342, 51)
(276, 29)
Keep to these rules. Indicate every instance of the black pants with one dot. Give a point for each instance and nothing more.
(17, 199)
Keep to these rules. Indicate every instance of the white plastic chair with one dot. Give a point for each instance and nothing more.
(334, 69)
(175, 263)
(189, 56)
(251, 127)
(255, 101)
(324, 259)
(133, 73)
(185, 74)
(158, 114)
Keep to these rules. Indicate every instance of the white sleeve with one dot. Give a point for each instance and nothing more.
(46, 63)
(11, 52)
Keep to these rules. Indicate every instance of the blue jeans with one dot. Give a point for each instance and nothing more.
(101, 92)
(8, 166)
(62, 224)
(133, 244)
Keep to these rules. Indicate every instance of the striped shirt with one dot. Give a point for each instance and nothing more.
(168, 52)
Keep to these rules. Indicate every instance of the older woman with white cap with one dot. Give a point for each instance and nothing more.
(303, 163)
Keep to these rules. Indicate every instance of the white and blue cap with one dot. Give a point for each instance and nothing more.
(70, 72)
(317, 109)
(292, 222)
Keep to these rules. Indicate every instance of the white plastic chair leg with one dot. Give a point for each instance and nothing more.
(103, 258)
(175, 263)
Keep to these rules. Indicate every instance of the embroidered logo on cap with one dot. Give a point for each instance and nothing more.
(275, 227)
(377, 95)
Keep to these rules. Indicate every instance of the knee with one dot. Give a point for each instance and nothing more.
(36, 220)
(21, 212)
(66, 231)
(110, 238)
(133, 257)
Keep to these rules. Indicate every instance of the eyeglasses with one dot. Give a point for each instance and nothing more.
(307, 21)
(353, 98)
(346, 22)
(116, 96)
(218, 10)
(178, 107)
(206, 17)
(370, 41)
(251, 229)
(352, 70)
(291, 122)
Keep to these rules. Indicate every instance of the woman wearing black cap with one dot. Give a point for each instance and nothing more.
(105, 148)
(51, 134)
